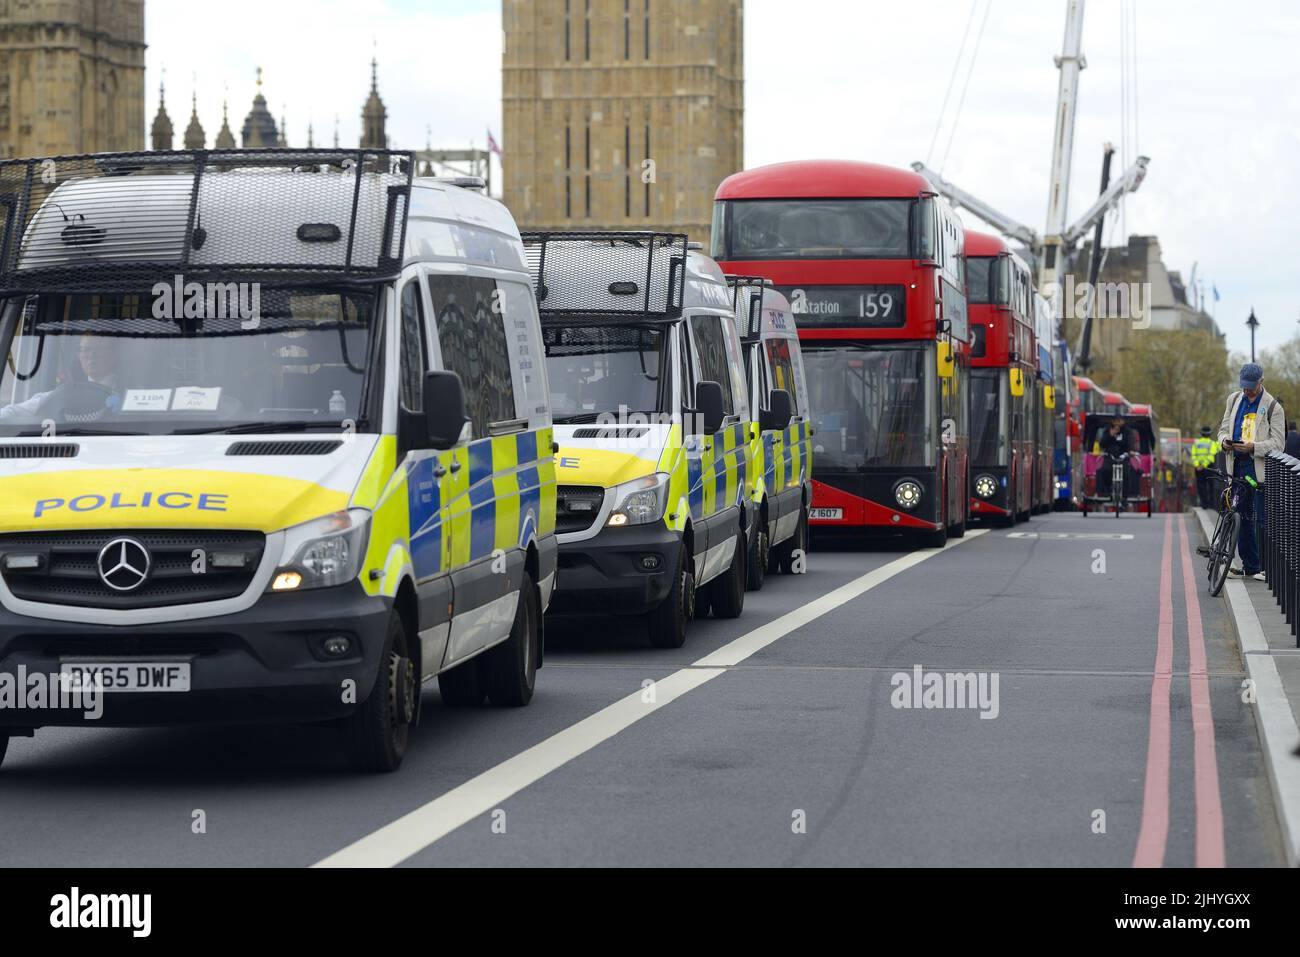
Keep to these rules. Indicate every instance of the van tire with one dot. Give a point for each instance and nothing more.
(464, 686)
(785, 553)
(377, 732)
(511, 667)
(667, 621)
(760, 554)
(727, 591)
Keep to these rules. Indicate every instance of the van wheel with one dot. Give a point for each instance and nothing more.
(727, 591)
(788, 551)
(668, 620)
(378, 731)
(759, 555)
(464, 686)
(511, 667)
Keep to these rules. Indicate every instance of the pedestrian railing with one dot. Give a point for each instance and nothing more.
(1280, 536)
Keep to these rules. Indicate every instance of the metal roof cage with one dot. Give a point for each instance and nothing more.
(121, 221)
(747, 301)
(603, 276)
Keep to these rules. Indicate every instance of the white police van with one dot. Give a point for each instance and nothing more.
(780, 484)
(275, 443)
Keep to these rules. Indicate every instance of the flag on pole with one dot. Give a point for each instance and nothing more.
(493, 146)
(1215, 290)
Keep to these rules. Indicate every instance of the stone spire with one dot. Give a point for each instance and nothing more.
(373, 114)
(283, 141)
(259, 129)
(225, 138)
(161, 131)
(195, 138)
(311, 140)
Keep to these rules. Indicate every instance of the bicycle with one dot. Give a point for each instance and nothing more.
(1223, 544)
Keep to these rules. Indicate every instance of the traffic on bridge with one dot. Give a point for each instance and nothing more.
(689, 503)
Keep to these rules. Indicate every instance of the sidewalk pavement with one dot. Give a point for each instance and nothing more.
(1273, 662)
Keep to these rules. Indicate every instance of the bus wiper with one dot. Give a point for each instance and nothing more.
(579, 417)
(295, 425)
(59, 433)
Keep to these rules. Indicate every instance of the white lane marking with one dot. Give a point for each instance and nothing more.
(413, 832)
(1088, 536)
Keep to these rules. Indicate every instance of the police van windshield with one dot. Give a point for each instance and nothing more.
(598, 371)
(176, 361)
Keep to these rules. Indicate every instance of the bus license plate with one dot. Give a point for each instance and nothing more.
(826, 514)
(133, 676)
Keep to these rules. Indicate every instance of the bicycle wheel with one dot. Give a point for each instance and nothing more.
(1214, 544)
(1224, 550)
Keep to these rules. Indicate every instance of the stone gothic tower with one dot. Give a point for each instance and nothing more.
(195, 139)
(225, 139)
(160, 134)
(621, 115)
(71, 76)
(373, 115)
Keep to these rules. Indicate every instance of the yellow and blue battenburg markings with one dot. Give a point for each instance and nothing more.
(783, 456)
(467, 502)
(718, 473)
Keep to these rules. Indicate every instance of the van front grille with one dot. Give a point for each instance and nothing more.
(576, 507)
(184, 567)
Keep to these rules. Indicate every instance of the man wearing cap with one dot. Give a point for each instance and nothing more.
(1253, 425)
(1204, 451)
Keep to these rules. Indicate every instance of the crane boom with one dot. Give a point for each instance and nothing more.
(962, 199)
(1108, 200)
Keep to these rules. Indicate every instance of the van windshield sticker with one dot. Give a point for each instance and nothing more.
(146, 400)
(196, 399)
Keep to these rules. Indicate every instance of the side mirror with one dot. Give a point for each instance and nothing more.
(444, 408)
(1049, 397)
(779, 411)
(708, 403)
(1017, 381)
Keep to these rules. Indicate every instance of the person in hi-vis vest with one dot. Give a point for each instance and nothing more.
(1204, 452)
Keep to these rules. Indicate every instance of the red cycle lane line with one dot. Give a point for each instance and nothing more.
(1209, 806)
(1154, 831)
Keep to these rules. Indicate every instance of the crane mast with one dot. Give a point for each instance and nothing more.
(1070, 63)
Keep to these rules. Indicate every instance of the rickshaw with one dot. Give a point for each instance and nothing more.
(1122, 482)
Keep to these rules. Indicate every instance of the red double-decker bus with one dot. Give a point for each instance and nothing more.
(1006, 395)
(871, 260)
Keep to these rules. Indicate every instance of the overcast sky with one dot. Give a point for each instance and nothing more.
(1217, 101)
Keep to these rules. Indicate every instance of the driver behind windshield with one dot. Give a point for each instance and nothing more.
(97, 358)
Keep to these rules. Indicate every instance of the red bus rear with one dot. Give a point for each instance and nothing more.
(1006, 462)
(871, 261)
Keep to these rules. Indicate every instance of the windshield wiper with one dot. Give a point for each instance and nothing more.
(579, 417)
(60, 433)
(296, 425)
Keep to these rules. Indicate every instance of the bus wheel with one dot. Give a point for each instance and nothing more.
(759, 555)
(378, 731)
(727, 591)
(668, 620)
(511, 667)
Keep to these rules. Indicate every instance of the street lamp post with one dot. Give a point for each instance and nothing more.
(1254, 324)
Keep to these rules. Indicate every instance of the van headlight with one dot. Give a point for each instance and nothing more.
(323, 552)
(986, 486)
(640, 501)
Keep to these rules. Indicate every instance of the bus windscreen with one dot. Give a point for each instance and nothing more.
(819, 229)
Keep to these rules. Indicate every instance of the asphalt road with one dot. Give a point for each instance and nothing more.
(773, 739)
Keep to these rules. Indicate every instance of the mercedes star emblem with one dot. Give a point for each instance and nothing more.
(123, 564)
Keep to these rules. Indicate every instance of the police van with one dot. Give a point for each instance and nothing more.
(780, 485)
(275, 442)
(652, 418)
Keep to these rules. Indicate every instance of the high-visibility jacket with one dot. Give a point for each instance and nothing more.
(1203, 452)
